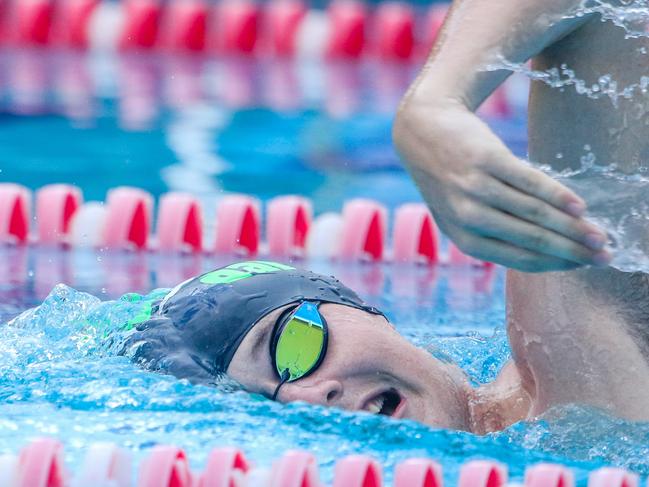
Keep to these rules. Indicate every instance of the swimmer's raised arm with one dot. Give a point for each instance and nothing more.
(489, 202)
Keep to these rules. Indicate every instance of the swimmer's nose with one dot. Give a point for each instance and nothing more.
(324, 392)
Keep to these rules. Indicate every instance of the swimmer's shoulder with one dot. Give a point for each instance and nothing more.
(633, 299)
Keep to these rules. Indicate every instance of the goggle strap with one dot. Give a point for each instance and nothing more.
(286, 375)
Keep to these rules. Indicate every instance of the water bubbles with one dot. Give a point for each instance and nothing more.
(558, 155)
(632, 16)
(617, 203)
(588, 161)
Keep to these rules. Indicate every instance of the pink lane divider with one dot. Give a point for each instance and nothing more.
(15, 213)
(104, 465)
(347, 29)
(363, 232)
(612, 477)
(458, 258)
(226, 467)
(419, 472)
(166, 466)
(357, 471)
(283, 19)
(549, 475)
(8, 470)
(71, 23)
(394, 31)
(142, 24)
(180, 223)
(236, 30)
(128, 218)
(484, 474)
(56, 205)
(32, 22)
(185, 25)
(295, 469)
(288, 223)
(238, 224)
(415, 237)
(41, 465)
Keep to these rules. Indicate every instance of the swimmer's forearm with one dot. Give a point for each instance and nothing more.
(478, 33)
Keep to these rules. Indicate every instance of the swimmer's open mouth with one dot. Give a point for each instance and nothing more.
(386, 403)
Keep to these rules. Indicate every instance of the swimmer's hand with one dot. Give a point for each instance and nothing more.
(489, 202)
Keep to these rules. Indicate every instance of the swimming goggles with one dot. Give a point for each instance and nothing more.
(299, 343)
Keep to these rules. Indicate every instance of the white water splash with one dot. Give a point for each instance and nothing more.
(630, 15)
(618, 203)
(564, 77)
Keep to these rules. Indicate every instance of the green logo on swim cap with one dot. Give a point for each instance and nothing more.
(242, 270)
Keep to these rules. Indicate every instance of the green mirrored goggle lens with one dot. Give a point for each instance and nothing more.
(301, 343)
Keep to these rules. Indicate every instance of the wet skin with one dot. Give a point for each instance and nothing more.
(367, 358)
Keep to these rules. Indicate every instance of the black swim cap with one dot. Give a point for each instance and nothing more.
(196, 329)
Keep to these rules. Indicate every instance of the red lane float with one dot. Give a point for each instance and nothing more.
(357, 471)
(236, 27)
(549, 475)
(283, 19)
(415, 237)
(363, 232)
(394, 31)
(295, 469)
(288, 220)
(142, 24)
(185, 25)
(418, 472)
(128, 219)
(238, 224)
(15, 213)
(347, 26)
(31, 22)
(612, 477)
(225, 467)
(105, 465)
(458, 258)
(180, 223)
(56, 204)
(41, 465)
(166, 466)
(483, 474)
(71, 23)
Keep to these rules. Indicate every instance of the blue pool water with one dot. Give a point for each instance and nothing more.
(168, 124)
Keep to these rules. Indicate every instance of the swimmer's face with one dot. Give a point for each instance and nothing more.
(368, 367)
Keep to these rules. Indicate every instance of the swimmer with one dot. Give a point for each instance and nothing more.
(293, 335)
(579, 334)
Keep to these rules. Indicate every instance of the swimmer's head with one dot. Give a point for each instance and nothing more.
(299, 336)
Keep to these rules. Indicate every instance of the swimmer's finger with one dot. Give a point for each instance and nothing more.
(534, 183)
(522, 234)
(493, 250)
(510, 200)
